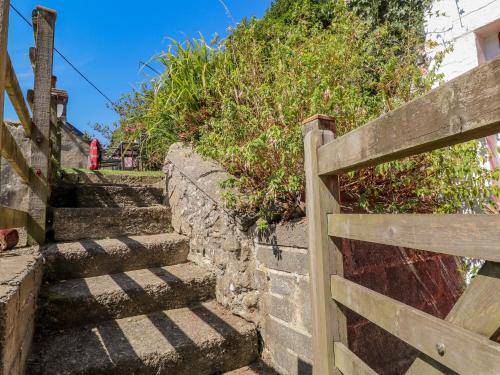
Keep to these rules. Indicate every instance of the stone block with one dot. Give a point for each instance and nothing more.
(279, 307)
(20, 279)
(285, 360)
(289, 234)
(298, 341)
(283, 284)
(294, 260)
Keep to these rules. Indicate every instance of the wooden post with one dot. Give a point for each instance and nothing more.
(325, 257)
(4, 37)
(44, 22)
(122, 158)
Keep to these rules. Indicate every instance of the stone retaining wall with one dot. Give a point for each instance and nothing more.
(20, 279)
(218, 240)
(283, 282)
(265, 278)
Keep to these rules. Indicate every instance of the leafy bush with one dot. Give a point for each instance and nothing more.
(241, 101)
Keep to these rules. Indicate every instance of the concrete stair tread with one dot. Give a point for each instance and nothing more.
(202, 340)
(254, 369)
(71, 224)
(125, 294)
(91, 195)
(99, 178)
(87, 258)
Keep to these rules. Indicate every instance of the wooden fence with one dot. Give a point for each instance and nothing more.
(42, 128)
(463, 109)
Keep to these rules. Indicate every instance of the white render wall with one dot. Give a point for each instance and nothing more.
(460, 31)
(472, 28)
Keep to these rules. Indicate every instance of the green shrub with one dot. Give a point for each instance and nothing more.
(241, 101)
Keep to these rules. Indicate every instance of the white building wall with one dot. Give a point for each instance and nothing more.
(477, 23)
(472, 29)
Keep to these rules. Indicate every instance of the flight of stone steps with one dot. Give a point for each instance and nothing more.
(120, 296)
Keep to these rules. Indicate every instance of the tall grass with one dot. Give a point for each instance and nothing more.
(242, 101)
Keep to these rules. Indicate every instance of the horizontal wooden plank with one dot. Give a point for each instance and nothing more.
(460, 350)
(465, 108)
(16, 97)
(10, 151)
(474, 236)
(349, 363)
(10, 218)
(477, 310)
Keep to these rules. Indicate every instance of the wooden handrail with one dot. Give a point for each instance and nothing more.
(35, 171)
(463, 109)
(474, 236)
(456, 348)
(16, 97)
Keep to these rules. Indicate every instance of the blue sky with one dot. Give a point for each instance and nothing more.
(107, 39)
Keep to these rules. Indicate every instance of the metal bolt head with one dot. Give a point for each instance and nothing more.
(441, 349)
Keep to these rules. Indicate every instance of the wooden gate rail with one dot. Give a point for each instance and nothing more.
(473, 236)
(36, 169)
(463, 109)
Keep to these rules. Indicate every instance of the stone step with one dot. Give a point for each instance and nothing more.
(103, 178)
(72, 224)
(254, 369)
(191, 341)
(88, 258)
(88, 195)
(87, 301)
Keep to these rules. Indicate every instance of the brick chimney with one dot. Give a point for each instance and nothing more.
(61, 97)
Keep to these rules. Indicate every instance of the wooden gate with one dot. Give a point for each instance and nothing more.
(463, 109)
(42, 128)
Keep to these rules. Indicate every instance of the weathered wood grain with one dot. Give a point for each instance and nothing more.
(16, 97)
(474, 236)
(349, 363)
(10, 218)
(325, 257)
(477, 310)
(32, 56)
(455, 347)
(11, 152)
(465, 108)
(44, 21)
(4, 31)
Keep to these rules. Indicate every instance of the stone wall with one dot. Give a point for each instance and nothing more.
(265, 278)
(218, 240)
(427, 281)
(282, 271)
(20, 279)
(14, 192)
(74, 148)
